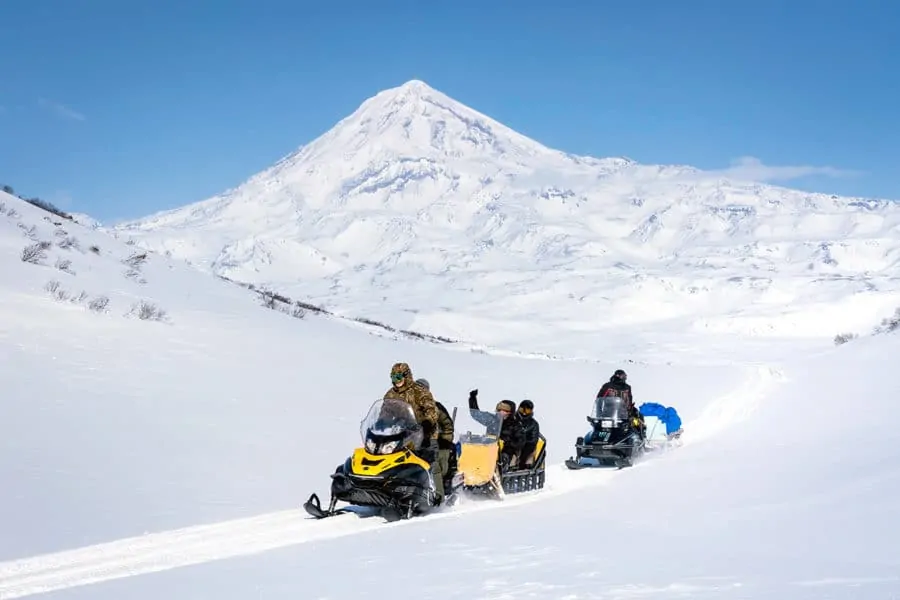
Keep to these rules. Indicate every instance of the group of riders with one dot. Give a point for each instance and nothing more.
(519, 429)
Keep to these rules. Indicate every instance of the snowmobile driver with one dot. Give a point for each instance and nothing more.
(446, 445)
(618, 386)
(404, 387)
(511, 431)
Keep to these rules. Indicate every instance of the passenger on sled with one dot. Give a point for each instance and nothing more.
(519, 430)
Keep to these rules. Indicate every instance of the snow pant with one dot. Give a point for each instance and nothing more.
(439, 470)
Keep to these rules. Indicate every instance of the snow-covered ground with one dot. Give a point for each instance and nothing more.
(168, 459)
(418, 211)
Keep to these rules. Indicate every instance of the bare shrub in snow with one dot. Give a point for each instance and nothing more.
(79, 298)
(267, 302)
(147, 311)
(294, 311)
(282, 304)
(427, 337)
(99, 304)
(135, 274)
(12, 213)
(56, 291)
(30, 232)
(136, 260)
(64, 265)
(890, 324)
(35, 253)
(374, 323)
(95, 249)
(2, 208)
(68, 242)
(843, 338)
(48, 206)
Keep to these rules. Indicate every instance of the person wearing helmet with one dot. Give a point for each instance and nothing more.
(445, 433)
(618, 386)
(404, 387)
(531, 431)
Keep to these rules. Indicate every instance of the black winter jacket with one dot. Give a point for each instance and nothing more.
(531, 431)
(617, 387)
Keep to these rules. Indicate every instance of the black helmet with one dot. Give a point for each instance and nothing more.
(620, 374)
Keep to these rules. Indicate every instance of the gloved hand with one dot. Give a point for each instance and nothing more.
(473, 399)
(427, 431)
(428, 451)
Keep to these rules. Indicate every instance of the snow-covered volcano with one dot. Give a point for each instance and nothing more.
(424, 213)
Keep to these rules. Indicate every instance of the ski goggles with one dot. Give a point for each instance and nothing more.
(397, 377)
(525, 411)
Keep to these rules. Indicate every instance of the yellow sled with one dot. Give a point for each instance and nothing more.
(478, 464)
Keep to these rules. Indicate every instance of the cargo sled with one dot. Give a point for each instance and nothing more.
(479, 472)
(663, 426)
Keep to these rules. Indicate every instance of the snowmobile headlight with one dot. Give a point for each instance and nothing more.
(389, 447)
(606, 423)
(370, 446)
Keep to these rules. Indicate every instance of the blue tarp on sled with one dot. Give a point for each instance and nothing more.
(666, 414)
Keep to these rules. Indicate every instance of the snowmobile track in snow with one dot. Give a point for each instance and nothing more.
(240, 537)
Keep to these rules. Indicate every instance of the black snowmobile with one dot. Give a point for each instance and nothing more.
(384, 473)
(616, 438)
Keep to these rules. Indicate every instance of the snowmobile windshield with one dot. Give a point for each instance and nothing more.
(389, 426)
(609, 408)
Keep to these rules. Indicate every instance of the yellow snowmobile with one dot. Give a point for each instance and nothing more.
(384, 473)
(479, 471)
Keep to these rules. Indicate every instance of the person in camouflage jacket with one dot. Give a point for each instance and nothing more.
(404, 387)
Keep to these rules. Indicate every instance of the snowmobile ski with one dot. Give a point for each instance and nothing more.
(314, 507)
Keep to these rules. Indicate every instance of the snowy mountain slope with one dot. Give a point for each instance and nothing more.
(421, 212)
(231, 408)
(223, 418)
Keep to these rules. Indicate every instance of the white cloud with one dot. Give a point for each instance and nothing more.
(753, 169)
(61, 110)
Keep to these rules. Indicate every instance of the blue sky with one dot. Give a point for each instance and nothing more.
(121, 109)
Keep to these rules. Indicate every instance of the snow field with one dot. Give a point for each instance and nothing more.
(150, 459)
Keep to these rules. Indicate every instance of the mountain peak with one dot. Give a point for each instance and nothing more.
(420, 131)
(415, 118)
(414, 86)
(414, 184)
